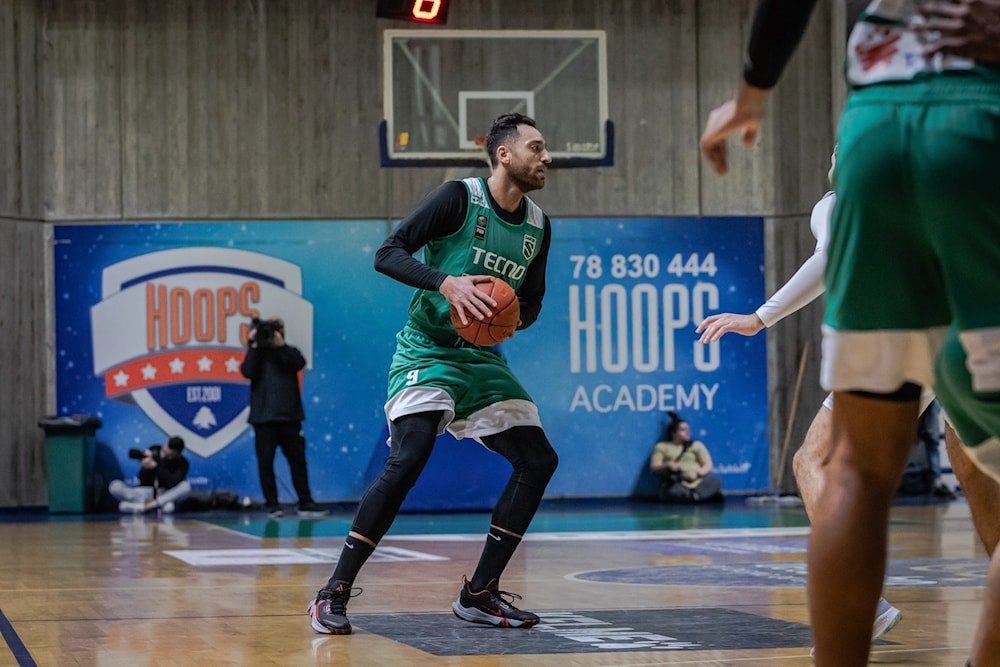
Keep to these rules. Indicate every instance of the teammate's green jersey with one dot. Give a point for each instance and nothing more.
(484, 245)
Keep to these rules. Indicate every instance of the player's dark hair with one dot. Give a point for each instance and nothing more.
(504, 129)
(176, 443)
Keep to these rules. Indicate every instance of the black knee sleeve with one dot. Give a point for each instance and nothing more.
(534, 461)
(411, 441)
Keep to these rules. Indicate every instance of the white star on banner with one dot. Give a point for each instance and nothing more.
(204, 364)
(232, 365)
(176, 366)
(121, 379)
(148, 372)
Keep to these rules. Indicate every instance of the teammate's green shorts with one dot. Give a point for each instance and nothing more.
(473, 385)
(914, 254)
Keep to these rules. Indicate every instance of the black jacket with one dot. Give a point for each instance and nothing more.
(168, 473)
(274, 383)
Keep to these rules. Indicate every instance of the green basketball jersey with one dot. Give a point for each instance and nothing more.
(484, 245)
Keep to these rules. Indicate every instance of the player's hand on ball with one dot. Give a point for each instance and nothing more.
(466, 299)
(500, 319)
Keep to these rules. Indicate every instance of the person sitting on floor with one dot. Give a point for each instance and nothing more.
(162, 479)
(684, 466)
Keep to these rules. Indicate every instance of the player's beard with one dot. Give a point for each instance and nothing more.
(526, 179)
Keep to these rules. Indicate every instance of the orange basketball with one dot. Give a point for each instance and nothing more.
(506, 315)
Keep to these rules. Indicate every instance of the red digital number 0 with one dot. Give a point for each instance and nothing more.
(428, 14)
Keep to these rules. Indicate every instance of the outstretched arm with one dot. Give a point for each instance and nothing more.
(744, 114)
(801, 289)
(778, 26)
(716, 326)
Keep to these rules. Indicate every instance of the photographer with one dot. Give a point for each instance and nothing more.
(276, 412)
(162, 479)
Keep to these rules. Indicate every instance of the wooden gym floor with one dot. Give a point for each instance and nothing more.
(615, 584)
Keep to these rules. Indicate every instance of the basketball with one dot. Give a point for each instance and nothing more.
(506, 315)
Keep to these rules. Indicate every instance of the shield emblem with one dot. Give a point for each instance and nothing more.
(169, 335)
(529, 246)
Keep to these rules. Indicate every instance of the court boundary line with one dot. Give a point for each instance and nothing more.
(14, 643)
(618, 535)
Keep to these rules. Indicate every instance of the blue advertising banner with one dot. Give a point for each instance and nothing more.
(623, 301)
(151, 322)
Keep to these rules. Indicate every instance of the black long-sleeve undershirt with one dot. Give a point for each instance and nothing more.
(778, 26)
(440, 214)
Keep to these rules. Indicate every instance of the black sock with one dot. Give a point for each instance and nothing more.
(352, 557)
(496, 554)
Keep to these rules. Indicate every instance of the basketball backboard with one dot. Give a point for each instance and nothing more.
(443, 88)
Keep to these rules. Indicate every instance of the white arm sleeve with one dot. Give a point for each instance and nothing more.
(807, 283)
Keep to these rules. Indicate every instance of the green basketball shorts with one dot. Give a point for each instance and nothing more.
(473, 385)
(914, 254)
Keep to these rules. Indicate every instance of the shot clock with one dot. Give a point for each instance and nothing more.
(421, 11)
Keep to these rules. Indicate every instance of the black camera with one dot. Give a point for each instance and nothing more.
(137, 454)
(265, 332)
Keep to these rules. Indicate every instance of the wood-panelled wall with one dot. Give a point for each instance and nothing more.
(134, 110)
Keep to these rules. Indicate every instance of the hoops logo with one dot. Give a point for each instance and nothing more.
(169, 335)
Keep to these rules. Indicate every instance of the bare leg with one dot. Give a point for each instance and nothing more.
(983, 494)
(871, 442)
(980, 490)
(807, 464)
(986, 644)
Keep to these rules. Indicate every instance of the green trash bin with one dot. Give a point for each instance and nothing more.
(69, 453)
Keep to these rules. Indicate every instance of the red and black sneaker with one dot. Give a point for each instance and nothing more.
(328, 612)
(490, 607)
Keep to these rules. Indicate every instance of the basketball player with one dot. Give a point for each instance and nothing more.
(800, 290)
(918, 141)
(805, 285)
(468, 229)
